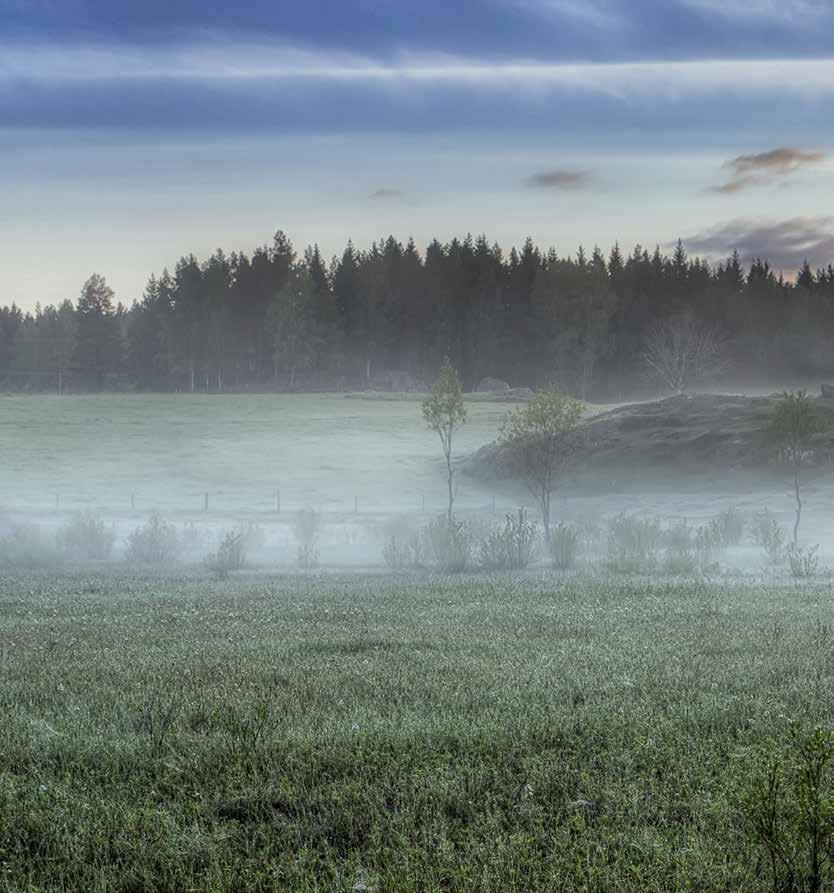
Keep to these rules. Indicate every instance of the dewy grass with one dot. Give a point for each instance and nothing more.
(319, 733)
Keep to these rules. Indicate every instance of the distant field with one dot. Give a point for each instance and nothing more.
(323, 451)
(357, 734)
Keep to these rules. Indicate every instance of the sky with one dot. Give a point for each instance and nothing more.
(132, 133)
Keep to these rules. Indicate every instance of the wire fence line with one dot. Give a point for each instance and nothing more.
(275, 505)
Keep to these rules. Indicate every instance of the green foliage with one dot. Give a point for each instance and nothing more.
(513, 546)
(789, 806)
(691, 550)
(409, 553)
(444, 413)
(564, 546)
(156, 542)
(803, 563)
(231, 553)
(768, 534)
(633, 544)
(86, 536)
(27, 546)
(451, 544)
(727, 528)
(443, 409)
(538, 433)
(794, 423)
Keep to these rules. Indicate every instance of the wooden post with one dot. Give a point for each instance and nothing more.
(278, 501)
(424, 503)
(493, 503)
(355, 505)
(205, 502)
(133, 502)
(57, 501)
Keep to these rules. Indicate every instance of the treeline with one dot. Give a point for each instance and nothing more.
(388, 316)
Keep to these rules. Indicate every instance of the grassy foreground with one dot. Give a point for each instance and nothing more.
(378, 734)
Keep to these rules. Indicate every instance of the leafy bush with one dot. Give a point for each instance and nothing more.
(633, 544)
(307, 526)
(231, 553)
(564, 546)
(727, 528)
(804, 563)
(790, 810)
(86, 536)
(155, 542)
(27, 546)
(451, 543)
(511, 547)
(769, 535)
(404, 546)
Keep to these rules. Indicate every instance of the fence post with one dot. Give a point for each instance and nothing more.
(57, 502)
(355, 505)
(205, 502)
(493, 503)
(133, 502)
(278, 501)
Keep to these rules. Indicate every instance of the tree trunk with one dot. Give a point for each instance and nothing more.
(451, 492)
(798, 505)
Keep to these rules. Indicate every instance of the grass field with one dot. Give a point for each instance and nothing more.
(354, 733)
(96, 451)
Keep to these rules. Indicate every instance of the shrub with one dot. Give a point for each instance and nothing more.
(633, 544)
(155, 542)
(804, 563)
(307, 525)
(511, 547)
(768, 535)
(86, 536)
(451, 543)
(26, 546)
(395, 554)
(231, 553)
(727, 528)
(790, 810)
(404, 546)
(690, 550)
(564, 546)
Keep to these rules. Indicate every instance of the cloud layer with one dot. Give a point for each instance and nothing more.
(746, 171)
(223, 63)
(786, 243)
(559, 179)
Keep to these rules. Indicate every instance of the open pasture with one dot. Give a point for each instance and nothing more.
(351, 733)
(169, 451)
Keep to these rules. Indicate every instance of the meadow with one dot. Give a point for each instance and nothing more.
(401, 733)
(117, 453)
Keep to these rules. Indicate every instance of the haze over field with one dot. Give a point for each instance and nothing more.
(417, 446)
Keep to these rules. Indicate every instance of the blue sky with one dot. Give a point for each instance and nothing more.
(131, 133)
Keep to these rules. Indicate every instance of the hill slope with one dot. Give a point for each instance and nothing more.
(677, 436)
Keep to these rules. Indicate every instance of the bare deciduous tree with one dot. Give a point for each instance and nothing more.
(681, 351)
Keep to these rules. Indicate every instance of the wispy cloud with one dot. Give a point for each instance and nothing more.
(214, 63)
(796, 12)
(765, 168)
(559, 179)
(786, 243)
(585, 13)
(385, 193)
